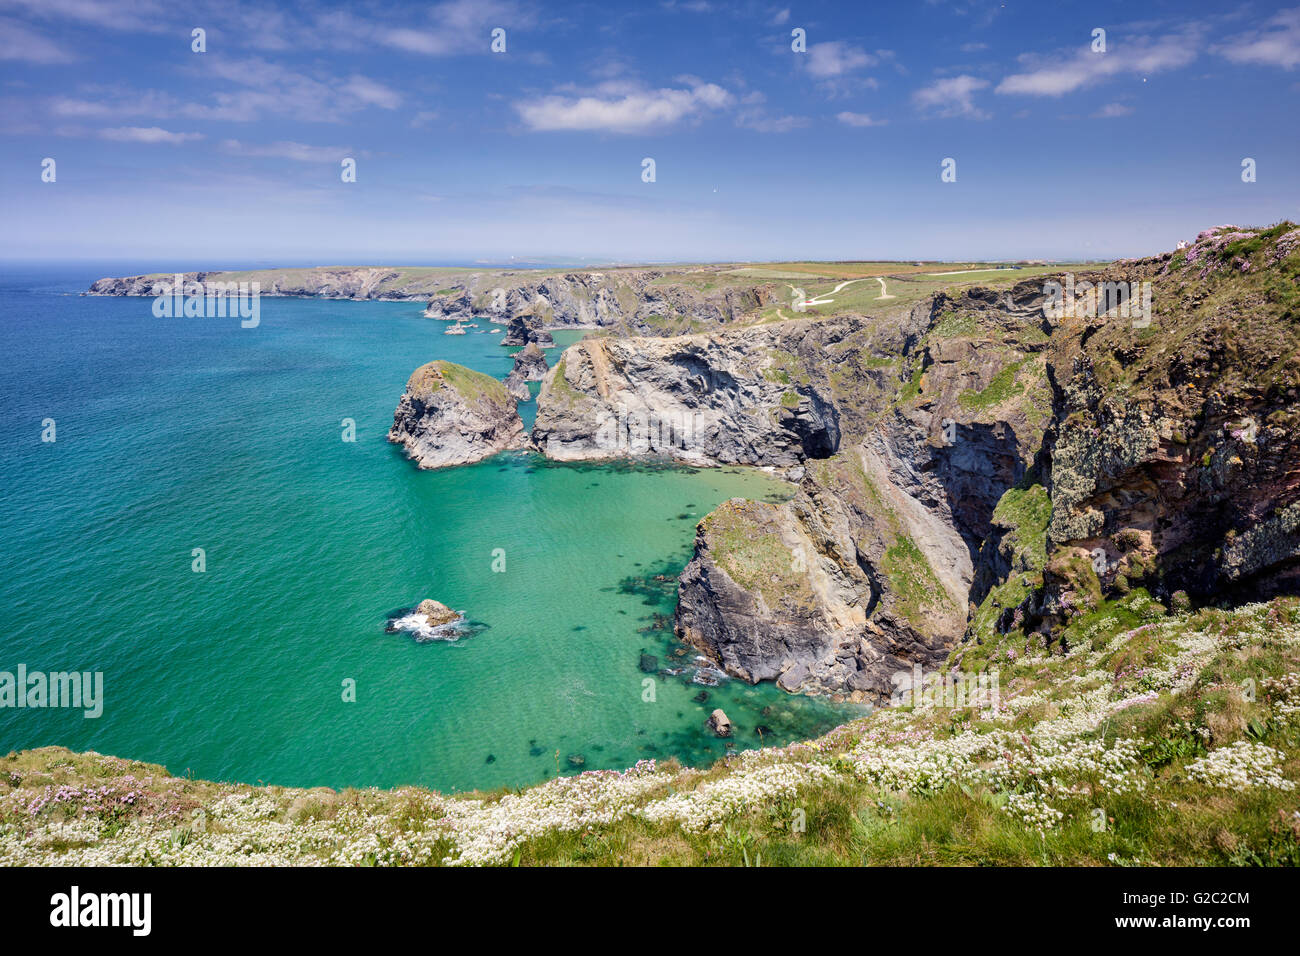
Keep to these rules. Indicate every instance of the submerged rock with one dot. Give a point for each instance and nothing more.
(452, 415)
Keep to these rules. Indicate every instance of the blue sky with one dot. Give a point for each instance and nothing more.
(761, 152)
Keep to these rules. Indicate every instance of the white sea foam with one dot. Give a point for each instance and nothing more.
(417, 625)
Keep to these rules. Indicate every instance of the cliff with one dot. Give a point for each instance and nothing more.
(1064, 521)
(342, 282)
(930, 446)
(451, 415)
(530, 366)
(643, 302)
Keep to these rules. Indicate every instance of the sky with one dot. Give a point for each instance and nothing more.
(800, 131)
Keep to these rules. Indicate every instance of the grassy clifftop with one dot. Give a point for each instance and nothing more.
(467, 383)
(1143, 737)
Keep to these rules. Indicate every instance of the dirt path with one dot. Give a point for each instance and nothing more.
(825, 298)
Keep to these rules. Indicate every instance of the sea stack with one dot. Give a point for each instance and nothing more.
(530, 366)
(525, 327)
(452, 415)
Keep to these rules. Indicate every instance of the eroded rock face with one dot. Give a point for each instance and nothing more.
(848, 584)
(525, 328)
(393, 284)
(451, 415)
(769, 395)
(436, 613)
(530, 366)
(1175, 458)
(639, 302)
(905, 432)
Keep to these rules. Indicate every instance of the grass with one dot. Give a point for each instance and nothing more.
(561, 385)
(744, 542)
(1022, 515)
(1002, 387)
(470, 385)
(915, 584)
(952, 325)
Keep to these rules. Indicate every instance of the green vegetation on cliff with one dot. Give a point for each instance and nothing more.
(467, 383)
(745, 541)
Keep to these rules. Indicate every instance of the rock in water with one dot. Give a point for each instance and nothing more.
(452, 415)
(436, 612)
(517, 388)
(720, 724)
(530, 366)
(525, 327)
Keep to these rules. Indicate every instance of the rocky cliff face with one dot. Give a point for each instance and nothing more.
(774, 394)
(530, 366)
(1175, 462)
(395, 284)
(627, 301)
(524, 328)
(451, 415)
(974, 467)
(638, 302)
(870, 568)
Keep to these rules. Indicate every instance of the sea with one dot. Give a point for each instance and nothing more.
(202, 534)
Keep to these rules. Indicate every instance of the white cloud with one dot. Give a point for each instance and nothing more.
(762, 122)
(1067, 71)
(148, 134)
(18, 42)
(858, 119)
(298, 152)
(1278, 44)
(372, 92)
(951, 96)
(781, 17)
(753, 114)
(259, 89)
(146, 15)
(458, 27)
(1112, 111)
(627, 111)
(836, 58)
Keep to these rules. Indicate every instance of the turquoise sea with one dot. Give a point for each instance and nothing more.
(175, 434)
